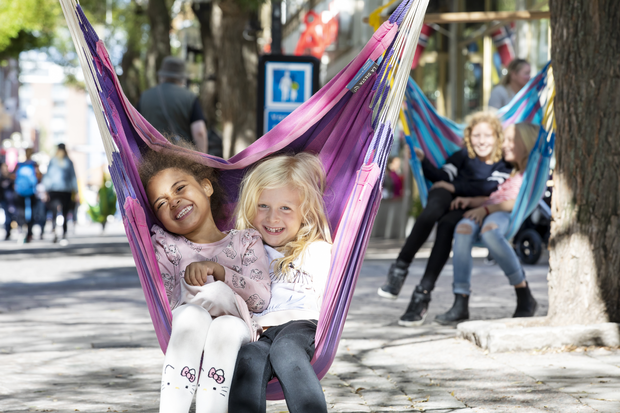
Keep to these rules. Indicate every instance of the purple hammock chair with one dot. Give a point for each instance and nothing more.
(349, 123)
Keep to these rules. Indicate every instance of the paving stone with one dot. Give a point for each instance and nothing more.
(75, 334)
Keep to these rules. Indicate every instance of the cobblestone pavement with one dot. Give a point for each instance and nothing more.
(75, 335)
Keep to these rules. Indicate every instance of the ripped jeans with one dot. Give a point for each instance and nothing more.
(495, 240)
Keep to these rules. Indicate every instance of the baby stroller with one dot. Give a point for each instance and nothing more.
(533, 234)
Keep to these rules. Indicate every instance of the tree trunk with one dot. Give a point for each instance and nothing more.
(132, 80)
(237, 71)
(209, 17)
(584, 276)
(159, 46)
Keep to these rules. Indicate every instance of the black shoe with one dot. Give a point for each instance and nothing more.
(418, 306)
(526, 304)
(395, 280)
(458, 312)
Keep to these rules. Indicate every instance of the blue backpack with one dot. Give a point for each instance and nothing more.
(25, 180)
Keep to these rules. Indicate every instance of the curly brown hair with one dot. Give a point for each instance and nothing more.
(153, 162)
(496, 125)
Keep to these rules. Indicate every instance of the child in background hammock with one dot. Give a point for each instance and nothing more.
(282, 198)
(488, 220)
(475, 170)
(211, 279)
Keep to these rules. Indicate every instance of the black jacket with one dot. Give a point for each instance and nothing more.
(470, 177)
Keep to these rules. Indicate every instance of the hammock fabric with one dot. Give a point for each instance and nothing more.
(351, 130)
(440, 137)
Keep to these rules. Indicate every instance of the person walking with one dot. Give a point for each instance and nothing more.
(60, 184)
(518, 75)
(27, 176)
(7, 198)
(172, 109)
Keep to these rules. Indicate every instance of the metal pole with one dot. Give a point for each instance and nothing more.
(276, 26)
(453, 64)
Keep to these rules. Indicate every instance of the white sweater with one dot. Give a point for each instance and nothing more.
(302, 298)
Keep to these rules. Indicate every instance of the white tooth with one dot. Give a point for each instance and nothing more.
(183, 212)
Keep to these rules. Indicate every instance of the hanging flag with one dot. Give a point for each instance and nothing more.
(320, 32)
(426, 32)
(504, 41)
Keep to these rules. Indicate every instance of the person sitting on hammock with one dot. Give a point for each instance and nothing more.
(211, 278)
(475, 170)
(282, 198)
(488, 221)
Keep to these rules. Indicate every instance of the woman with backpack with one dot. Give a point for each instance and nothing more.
(27, 176)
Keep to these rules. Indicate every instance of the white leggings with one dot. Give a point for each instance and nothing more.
(195, 331)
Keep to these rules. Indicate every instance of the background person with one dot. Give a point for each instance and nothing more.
(60, 183)
(518, 75)
(27, 176)
(7, 198)
(475, 170)
(488, 221)
(172, 109)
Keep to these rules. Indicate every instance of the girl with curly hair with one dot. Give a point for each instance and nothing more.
(213, 280)
(475, 170)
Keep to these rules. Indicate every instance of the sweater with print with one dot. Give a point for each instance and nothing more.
(243, 257)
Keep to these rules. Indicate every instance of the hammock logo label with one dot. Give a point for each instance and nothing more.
(369, 68)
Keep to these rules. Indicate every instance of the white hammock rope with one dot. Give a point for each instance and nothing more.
(396, 78)
(92, 83)
(401, 60)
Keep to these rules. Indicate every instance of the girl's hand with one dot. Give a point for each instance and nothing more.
(477, 215)
(419, 153)
(196, 273)
(460, 203)
(443, 184)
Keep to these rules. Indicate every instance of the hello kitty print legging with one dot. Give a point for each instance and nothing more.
(195, 331)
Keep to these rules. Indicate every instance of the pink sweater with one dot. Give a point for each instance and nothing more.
(245, 263)
(506, 191)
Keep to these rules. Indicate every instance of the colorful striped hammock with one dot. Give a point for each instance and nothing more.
(440, 137)
(349, 123)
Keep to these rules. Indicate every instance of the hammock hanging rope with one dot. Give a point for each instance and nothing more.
(440, 137)
(349, 123)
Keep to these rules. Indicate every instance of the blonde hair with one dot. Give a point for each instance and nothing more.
(496, 125)
(528, 134)
(303, 172)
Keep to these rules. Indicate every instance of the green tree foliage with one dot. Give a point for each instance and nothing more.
(26, 24)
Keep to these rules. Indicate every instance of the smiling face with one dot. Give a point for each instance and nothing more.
(513, 147)
(278, 216)
(483, 140)
(181, 203)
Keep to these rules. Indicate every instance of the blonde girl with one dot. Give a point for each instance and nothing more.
(282, 198)
(488, 220)
(475, 170)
